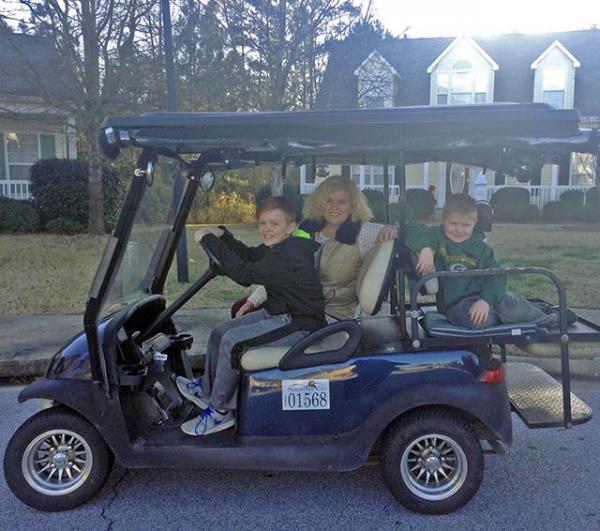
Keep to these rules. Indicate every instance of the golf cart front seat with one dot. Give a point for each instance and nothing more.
(336, 342)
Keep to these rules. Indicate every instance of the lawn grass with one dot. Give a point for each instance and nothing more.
(50, 274)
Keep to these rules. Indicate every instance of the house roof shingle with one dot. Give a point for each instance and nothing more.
(514, 53)
(31, 68)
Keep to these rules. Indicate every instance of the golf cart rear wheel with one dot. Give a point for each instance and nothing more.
(432, 462)
(56, 461)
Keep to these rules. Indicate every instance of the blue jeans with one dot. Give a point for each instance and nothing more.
(511, 309)
(220, 380)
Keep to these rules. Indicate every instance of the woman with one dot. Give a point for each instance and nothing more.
(337, 216)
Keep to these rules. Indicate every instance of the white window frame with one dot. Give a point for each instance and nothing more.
(375, 70)
(450, 92)
(8, 164)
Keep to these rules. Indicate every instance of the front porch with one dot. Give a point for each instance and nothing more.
(434, 176)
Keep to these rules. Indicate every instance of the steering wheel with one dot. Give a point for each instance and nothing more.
(213, 262)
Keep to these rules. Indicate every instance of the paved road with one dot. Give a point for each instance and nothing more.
(548, 480)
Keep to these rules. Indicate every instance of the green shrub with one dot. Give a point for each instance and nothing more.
(18, 216)
(396, 210)
(510, 195)
(588, 213)
(421, 201)
(573, 197)
(289, 190)
(517, 213)
(65, 226)
(226, 208)
(60, 189)
(592, 196)
(557, 211)
(374, 198)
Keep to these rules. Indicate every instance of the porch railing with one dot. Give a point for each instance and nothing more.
(540, 195)
(15, 189)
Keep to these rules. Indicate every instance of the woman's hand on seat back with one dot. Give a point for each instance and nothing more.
(387, 233)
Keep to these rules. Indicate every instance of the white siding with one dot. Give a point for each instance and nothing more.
(462, 51)
(555, 58)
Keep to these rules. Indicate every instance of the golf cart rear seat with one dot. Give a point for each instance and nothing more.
(336, 342)
(437, 325)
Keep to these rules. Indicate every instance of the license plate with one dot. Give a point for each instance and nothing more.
(305, 394)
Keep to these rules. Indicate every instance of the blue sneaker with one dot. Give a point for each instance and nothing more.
(209, 421)
(192, 390)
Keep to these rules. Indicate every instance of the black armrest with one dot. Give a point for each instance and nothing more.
(297, 357)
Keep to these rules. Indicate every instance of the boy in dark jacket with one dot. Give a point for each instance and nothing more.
(471, 302)
(285, 265)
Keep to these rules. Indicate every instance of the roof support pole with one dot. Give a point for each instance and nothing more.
(182, 255)
(397, 298)
(386, 190)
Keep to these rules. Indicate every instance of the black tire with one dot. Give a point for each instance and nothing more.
(423, 447)
(56, 442)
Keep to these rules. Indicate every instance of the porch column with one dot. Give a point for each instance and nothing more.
(554, 182)
(441, 187)
(361, 180)
(303, 179)
(426, 176)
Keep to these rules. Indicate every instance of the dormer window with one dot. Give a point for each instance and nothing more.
(555, 76)
(376, 82)
(463, 73)
(462, 85)
(554, 80)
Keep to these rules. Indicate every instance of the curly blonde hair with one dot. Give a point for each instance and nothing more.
(315, 204)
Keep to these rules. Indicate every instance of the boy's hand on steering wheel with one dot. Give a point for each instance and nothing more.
(479, 312)
(208, 230)
(387, 233)
(425, 263)
(244, 309)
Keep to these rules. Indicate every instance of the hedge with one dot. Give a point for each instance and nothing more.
(421, 201)
(587, 213)
(517, 213)
(573, 197)
(510, 195)
(289, 190)
(60, 189)
(592, 196)
(558, 211)
(18, 216)
(65, 226)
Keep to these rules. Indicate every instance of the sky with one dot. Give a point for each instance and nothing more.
(435, 18)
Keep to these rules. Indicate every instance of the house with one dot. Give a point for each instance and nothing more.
(33, 123)
(562, 69)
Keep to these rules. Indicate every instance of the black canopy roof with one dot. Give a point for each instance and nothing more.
(512, 138)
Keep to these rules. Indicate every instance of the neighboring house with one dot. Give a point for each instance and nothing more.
(32, 124)
(562, 69)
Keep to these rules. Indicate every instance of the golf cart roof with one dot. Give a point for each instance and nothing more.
(501, 136)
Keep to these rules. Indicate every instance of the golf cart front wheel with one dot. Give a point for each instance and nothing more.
(56, 461)
(432, 462)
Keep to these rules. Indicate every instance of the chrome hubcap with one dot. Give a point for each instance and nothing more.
(57, 462)
(434, 467)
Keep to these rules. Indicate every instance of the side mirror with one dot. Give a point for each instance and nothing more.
(207, 181)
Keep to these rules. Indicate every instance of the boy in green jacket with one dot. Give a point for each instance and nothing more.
(471, 302)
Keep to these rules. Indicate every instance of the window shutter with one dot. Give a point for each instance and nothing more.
(48, 146)
(2, 158)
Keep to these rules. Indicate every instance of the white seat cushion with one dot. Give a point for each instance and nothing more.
(256, 359)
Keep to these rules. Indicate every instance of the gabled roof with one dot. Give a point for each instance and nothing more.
(513, 81)
(556, 44)
(370, 57)
(454, 44)
(31, 69)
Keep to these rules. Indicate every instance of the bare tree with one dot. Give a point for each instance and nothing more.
(97, 42)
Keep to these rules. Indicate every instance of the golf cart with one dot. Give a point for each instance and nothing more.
(425, 398)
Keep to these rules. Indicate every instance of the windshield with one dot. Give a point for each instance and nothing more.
(152, 225)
